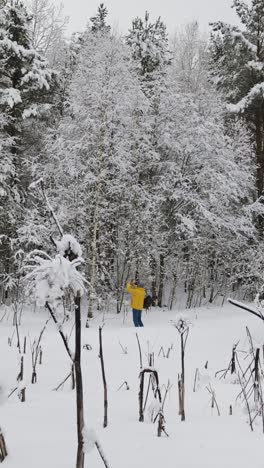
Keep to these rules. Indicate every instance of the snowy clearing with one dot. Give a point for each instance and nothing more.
(41, 431)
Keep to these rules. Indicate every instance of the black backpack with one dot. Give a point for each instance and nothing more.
(147, 302)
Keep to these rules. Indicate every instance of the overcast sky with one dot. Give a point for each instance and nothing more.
(173, 12)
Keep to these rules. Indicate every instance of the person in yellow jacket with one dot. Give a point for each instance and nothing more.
(137, 293)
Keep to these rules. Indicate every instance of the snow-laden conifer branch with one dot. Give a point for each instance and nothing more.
(52, 277)
(245, 102)
(234, 33)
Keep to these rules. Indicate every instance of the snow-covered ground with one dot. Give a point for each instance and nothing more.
(41, 432)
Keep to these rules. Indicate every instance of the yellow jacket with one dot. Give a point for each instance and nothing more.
(137, 296)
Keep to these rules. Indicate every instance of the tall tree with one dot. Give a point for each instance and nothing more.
(24, 85)
(190, 58)
(202, 149)
(149, 43)
(99, 20)
(237, 58)
(93, 149)
(150, 51)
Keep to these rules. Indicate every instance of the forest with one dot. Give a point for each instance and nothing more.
(148, 148)
(131, 162)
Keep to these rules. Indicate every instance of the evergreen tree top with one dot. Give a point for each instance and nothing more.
(149, 43)
(15, 20)
(99, 20)
(238, 56)
(23, 72)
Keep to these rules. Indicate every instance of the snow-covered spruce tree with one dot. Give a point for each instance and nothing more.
(149, 43)
(24, 84)
(25, 78)
(8, 198)
(99, 20)
(91, 160)
(237, 60)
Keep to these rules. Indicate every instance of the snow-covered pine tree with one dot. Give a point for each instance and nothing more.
(99, 20)
(9, 196)
(24, 74)
(237, 60)
(149, 43)
(24, 85)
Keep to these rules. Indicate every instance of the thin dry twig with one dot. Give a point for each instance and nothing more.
(140, 352)
(214, 402)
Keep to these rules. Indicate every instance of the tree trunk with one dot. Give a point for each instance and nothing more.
(137, 269)
(79, 385)
(161, 281)
(94, 256)
(173, 291)
(153, 267)
(140, 397)
(182, 379)
(257, 393)
(259, 161)
(233, 360)
(122, 280)
(103, 376)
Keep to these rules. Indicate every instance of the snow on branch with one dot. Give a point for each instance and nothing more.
(255, 65)
(241, 106)
(182, 323)
(35, 184)
(242, 10)
(11, 97)
(240, 36)
(19, 50)
(34, 110)
(234, 33)
(51, 278)
(67, 243)
(4, 237)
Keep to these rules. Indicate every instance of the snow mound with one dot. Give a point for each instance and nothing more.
(89, 439)
(68, 242)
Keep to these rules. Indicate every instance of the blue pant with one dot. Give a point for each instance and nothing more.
(137, 318)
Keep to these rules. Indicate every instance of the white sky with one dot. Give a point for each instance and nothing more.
(174, 13)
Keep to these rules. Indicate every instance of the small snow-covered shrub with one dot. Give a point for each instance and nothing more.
(69, 243)
(51, 278)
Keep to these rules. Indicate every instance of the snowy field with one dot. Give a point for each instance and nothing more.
(41, 432)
